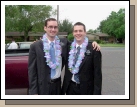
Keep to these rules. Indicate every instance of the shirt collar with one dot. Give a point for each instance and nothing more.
(78, 45)
(50, 41)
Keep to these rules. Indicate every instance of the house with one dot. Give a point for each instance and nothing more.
(62, 34)
(92, 36)
(19, 36)
(105, 37)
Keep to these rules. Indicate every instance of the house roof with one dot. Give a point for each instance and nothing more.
(14, 34)
(32, 34)
(101, 34)
(62, 33)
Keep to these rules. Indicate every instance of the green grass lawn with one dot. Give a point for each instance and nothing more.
(112, 45)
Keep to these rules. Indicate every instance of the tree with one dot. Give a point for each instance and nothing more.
(91, 31)
(114, 25)
(95, 30)
(26, 18)
(65, 26)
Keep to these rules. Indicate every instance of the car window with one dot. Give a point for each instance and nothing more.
(25, 45)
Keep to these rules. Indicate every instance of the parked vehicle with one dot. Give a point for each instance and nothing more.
(24, 45)
(16, 71)
(21, 45)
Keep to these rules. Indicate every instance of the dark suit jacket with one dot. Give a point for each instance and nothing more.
(90, 73)
(38, 70)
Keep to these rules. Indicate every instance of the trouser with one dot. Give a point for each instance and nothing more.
(73, 89)
(55, 87)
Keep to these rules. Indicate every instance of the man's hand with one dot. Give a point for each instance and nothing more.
(96, 46)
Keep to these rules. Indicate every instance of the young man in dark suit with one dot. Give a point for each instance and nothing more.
(46, 60)
(83, 73)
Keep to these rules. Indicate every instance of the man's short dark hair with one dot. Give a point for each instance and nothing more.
(79, 23)
(49, 19)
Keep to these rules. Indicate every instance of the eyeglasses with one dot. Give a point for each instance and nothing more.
(51, 27)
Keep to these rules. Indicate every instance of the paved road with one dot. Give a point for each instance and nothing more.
(113, 71)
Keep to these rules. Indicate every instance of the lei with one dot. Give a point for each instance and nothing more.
(74, 69)
(47, 54)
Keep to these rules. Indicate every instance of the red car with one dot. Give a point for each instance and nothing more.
(16, 71)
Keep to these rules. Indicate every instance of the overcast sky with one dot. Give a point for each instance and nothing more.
(90, 15)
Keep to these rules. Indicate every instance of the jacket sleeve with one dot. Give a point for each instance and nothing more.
(97, 61)
(32, 71)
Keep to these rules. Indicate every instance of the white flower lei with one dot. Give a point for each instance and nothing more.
(75, 69)
(47, 55)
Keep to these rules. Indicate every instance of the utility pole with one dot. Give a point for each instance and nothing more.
(58, 13)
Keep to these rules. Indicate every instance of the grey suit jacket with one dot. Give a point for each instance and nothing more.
(38, 70)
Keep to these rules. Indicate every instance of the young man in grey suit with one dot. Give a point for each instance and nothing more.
(46, 60)
(83, 74)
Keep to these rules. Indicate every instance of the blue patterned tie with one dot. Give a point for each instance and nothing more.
(52, 53)
(76, 76)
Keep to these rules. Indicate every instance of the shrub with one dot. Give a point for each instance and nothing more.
(103, 42)
(70, 37)
(98, 41)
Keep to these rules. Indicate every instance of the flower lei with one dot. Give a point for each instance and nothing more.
(75, 69)
(47, 54)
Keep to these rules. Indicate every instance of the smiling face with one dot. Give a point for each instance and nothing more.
(51, 28)
(79, 33)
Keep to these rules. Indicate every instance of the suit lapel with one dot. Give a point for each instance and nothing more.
(83, 61)
(85, 58)
(41, 46)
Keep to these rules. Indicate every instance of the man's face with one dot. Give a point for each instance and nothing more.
(79, 33)
(51, 28)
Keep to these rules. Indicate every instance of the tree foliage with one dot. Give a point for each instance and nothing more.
(114, 25)
(92, 31)
(65, 26)
(26, 18)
